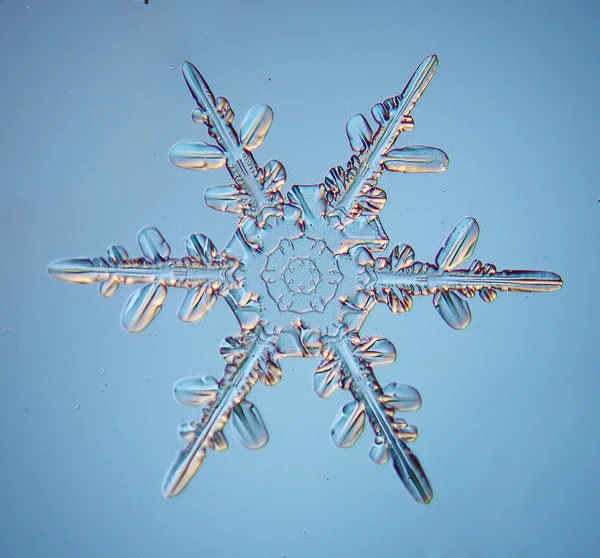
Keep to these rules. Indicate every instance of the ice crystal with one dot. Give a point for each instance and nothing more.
(301, 274)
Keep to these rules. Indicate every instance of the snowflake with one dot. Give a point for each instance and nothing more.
(301, 274)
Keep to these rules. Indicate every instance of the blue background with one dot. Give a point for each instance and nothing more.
(92, 100)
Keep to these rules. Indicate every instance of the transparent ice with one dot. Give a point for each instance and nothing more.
(301, 274)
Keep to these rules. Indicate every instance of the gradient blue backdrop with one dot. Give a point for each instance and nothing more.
(92, 100)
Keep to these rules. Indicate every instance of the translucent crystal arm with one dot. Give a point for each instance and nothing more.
(356, 358)
(425, 278)
(204, 274)
(255, 188)
(250, 357)
(178, 273)
(392, 116)
(398, 278)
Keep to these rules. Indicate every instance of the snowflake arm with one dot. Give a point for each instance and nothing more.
(256, 190)
(249, 357)
(398, 278)
(203, 274)
(349, 362)
(353, 191)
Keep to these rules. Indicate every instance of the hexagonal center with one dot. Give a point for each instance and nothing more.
(301, 275)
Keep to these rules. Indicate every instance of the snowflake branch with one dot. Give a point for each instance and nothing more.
(204, 274)
(353, 191)
(256, 190)
(250, 357)
(397, 278)
(348, 362)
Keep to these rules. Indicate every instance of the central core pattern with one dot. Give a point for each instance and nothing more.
(301, 275)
